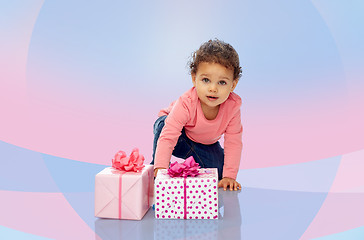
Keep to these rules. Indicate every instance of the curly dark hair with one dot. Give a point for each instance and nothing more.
(216, 51)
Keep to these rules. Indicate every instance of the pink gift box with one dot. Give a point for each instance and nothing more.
(123, 195)
(187, 198)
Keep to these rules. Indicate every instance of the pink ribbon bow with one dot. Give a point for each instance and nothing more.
(132, 163)
(186, 169)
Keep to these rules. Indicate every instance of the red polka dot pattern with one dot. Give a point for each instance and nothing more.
(201, 195)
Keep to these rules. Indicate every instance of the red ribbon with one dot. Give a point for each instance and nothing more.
(132, 163)
(120, 191)
(185, 197)
(188, 168)
(124, 163)
(148, 188)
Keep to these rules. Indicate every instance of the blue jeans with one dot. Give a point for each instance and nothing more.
(207, 156)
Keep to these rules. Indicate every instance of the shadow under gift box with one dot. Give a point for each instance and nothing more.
(186, 198)
(123, 195)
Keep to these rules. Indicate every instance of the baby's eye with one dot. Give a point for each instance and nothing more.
(222, 83)
(205, 80)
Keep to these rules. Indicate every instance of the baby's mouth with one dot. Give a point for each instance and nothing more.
(212, 97)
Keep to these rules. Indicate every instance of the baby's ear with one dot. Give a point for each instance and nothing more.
(193, 76)
(235, 82)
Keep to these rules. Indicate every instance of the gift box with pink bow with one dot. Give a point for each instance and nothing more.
(125, 190)
(186, 191)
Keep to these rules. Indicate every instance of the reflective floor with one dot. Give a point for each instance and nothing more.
(47, 197)
(228, 225)
(248, 214)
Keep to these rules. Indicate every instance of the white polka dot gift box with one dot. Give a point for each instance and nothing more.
(186, 197)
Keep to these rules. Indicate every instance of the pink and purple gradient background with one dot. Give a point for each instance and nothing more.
(81, 80)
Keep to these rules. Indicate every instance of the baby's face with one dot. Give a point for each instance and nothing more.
(213, 82)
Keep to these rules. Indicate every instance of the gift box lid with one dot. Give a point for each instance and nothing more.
(204, 173)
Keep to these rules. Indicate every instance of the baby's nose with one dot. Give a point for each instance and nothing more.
(213, 88)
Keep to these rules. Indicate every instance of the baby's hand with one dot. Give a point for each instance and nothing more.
(156, 171)
(225, 182)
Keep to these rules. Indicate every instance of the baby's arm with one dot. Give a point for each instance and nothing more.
(232, 153)
(171, 131)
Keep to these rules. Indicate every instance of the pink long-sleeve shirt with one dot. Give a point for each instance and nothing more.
(187, 113)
